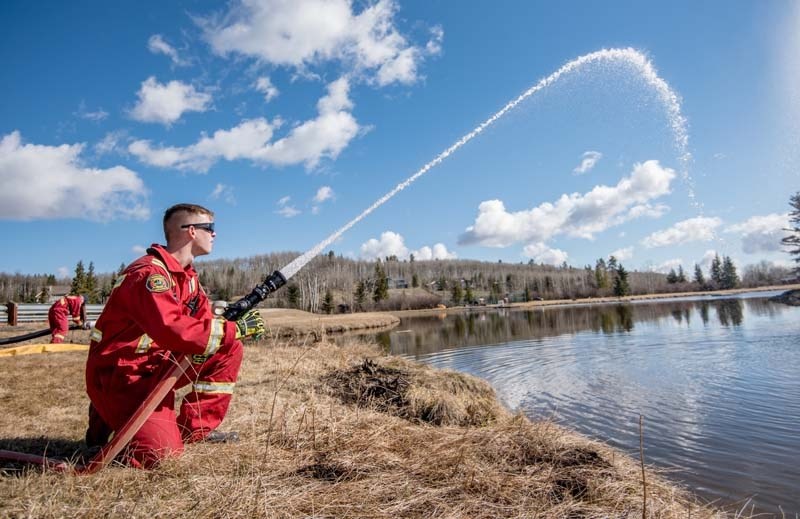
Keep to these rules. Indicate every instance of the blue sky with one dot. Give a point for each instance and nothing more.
(289, 119)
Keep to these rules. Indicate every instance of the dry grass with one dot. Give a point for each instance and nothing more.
(283, 323)
(328, 431)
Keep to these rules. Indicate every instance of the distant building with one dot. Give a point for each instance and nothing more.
(56, 292)
(398, 283)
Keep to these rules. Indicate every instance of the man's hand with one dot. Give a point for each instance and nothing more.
(250, 325)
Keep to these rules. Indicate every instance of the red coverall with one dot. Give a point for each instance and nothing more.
(59, 314)
(157, 307)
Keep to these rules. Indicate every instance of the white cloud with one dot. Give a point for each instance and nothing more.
(761, 233)
(623, 254)
(668, 265)
(265, 86)
(390, 244)
(303, 33)
(323, 193)
(221, 191)
(437, 252)
(393, 244)
(42, 182)
(139, 249)
(110, 143)
(694, 229)
(96, 116)
(157, 45)
(286, 210)
(575, 215)
(588, 162)
(308, 142)
(541, 253)
(166, 103)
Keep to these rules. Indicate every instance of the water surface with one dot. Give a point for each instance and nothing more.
(717, 381)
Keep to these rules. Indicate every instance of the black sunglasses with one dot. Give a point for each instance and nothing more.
(205, 226)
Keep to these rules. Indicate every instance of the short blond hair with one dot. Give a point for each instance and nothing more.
(183, 208)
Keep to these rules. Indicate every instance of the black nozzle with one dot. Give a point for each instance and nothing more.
(273, 282)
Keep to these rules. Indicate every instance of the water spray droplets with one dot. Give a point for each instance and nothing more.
(669, 99)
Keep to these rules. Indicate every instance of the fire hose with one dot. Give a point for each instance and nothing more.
(32, 335)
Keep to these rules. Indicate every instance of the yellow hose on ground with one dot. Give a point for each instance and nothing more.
(30, 349)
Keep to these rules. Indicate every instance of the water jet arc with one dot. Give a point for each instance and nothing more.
(630, 56)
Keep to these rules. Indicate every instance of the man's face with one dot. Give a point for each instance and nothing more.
(203, 237)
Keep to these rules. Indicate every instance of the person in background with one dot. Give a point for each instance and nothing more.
(158, 311)
(60, 312)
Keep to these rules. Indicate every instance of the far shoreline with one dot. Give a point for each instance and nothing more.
(593, 300)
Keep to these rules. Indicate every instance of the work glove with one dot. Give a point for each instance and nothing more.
(250, 325)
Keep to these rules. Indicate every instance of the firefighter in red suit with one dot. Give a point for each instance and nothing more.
(61, 311)
(157, 311)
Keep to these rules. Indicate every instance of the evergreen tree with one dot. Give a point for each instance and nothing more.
(469, 297)
(414, 279)
(716, 271)
(681, 274)
(327, 302)
(601, 274)
(672, 277)
(79, 279)
(293, 295)
(360, 294)
(699, 278)
(793, 239)
(91, 290)
(730, 279)
(621, 286)
(526, 295)
(456, 293)
(381, 290)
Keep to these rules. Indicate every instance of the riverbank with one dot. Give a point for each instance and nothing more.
(283, 322)
(595, 300)
(330, 431)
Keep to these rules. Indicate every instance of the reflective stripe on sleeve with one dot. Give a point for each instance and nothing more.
(192, 286)
(144, 344)
(216, 336)
(224, 388)
(95, 335)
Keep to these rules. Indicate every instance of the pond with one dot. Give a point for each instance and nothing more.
(716, 380)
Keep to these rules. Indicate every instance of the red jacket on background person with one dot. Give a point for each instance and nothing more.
(157, 307)
(60, 312)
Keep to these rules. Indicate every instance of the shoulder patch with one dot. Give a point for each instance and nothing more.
(157, 283)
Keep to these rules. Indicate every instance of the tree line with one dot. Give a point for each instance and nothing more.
(331, 283)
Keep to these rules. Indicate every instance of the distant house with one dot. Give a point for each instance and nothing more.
(398, 283)
(56, 292)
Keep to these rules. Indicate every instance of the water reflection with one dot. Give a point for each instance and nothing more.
(716, 380)
(485, 326)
